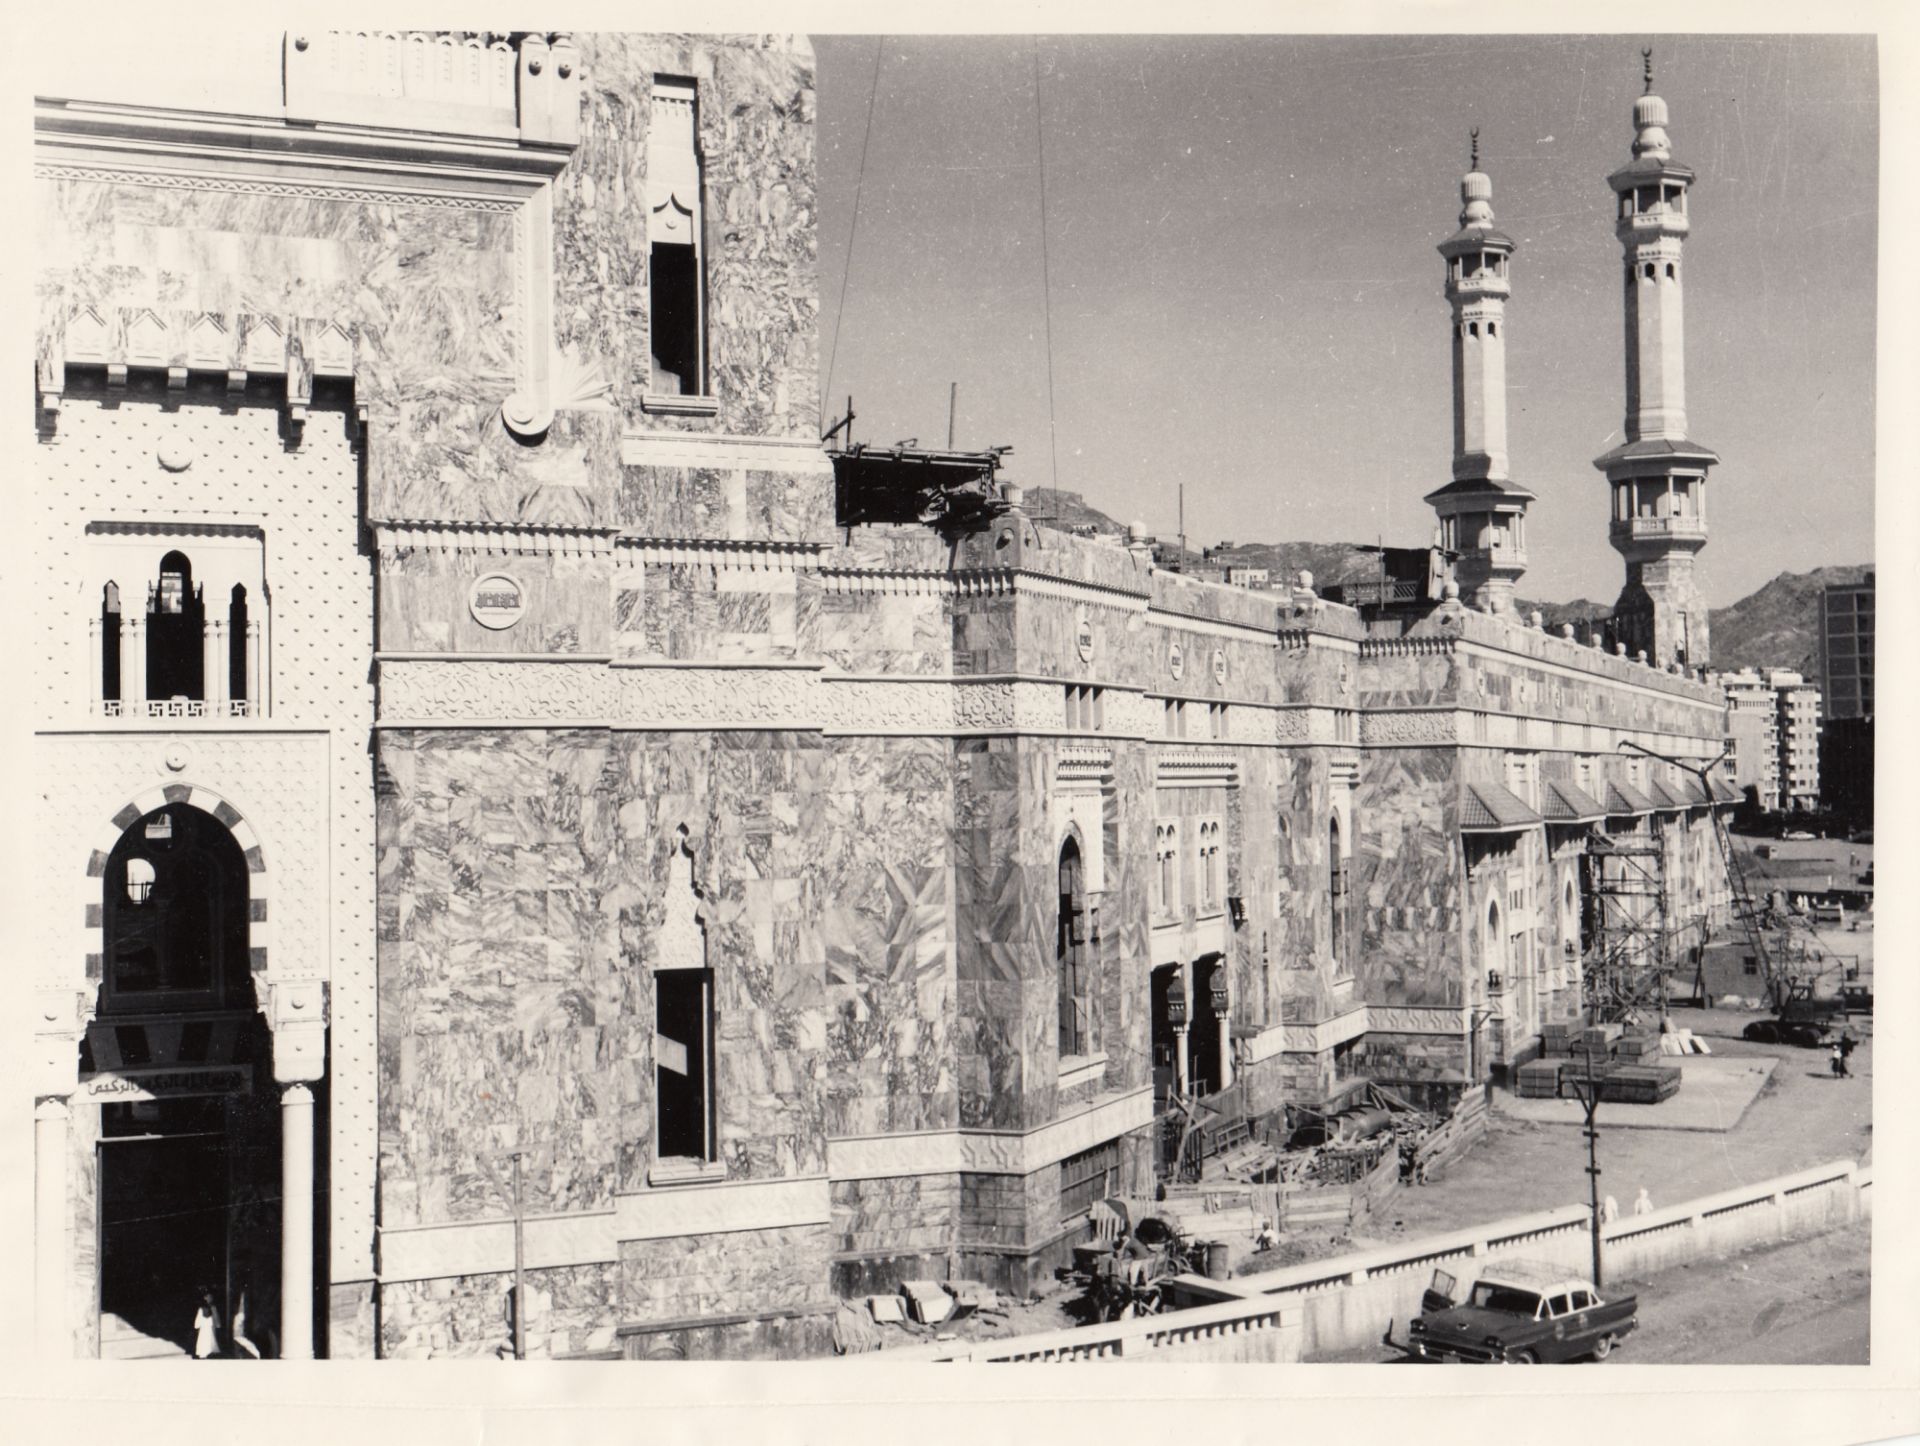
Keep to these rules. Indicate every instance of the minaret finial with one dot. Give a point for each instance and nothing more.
(1646, 62)
(1474, 163)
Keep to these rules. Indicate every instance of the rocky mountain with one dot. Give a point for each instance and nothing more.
(1778, 626)
(1056, 507)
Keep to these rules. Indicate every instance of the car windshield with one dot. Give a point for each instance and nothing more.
(1509, 1300)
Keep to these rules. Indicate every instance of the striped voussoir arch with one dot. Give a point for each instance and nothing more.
(208, 802)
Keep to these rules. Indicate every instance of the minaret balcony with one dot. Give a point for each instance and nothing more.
(1496, 559)
(1659, 529)
(1649, 224)
(1485, 284)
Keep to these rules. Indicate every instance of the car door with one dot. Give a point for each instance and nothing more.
(1580, 1330)
(1438, 1295)
(1558, 1344)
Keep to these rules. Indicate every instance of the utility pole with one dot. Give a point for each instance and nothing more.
(953, 405)
(541, 1158)
(520, 1266)
(1588, 1091)
(1183, 527)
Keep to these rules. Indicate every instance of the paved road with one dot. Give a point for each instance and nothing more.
(1803, 1303)
(1836, 1337)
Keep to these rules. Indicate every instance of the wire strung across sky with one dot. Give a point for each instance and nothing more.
(853, 229)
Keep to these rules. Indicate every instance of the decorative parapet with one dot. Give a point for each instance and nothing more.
(1011, 581)
(455, 82)
(1510, 635)
(233, 347)
(1190, 768)
(1406, 648)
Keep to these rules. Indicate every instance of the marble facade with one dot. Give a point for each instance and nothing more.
(592, 707)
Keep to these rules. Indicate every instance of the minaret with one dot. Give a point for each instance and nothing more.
(1482, 512)
(1658, 476)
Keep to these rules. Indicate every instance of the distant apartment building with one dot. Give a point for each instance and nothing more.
(1797, 721)
(1753, 734)
(1255, 577)
(1773, 727)
(1846, 649)
(1846, 676)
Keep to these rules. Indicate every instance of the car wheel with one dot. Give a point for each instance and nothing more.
(1603, 1348)
(1524, 1358)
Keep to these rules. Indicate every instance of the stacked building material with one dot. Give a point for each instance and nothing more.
(1642, 1084)
(1642, 1044)
(1539, 1079)
(1558, 1039)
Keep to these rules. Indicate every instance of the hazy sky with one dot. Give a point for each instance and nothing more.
(1246, 298)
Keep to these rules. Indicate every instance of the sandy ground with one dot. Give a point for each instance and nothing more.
(1802, 1117)
(1716, 1092)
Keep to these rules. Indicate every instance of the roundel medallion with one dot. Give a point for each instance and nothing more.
(496, 601)
(1083, 636)
(1220, 665)
(1176, 661)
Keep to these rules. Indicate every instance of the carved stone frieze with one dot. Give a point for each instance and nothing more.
(1388, 1019)
(1292, 725)
(475, 692)
(886, 705)
(1426, 726)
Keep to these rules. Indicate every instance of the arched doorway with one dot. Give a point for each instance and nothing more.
(179, 1060)
(1210, 1007)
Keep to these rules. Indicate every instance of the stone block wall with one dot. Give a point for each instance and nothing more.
(1408, 878)
(893, 1229)
(687, 1278)
(569, 1309)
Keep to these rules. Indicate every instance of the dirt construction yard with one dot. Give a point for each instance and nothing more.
(1801, 1117)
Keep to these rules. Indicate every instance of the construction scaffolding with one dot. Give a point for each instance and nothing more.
(1630, 955)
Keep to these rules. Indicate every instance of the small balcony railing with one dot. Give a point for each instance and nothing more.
(171, 708)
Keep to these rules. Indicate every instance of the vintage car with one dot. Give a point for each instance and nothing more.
(1518, 1313)
(1803, 1033)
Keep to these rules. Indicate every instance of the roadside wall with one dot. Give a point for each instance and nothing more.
(1348, 1301)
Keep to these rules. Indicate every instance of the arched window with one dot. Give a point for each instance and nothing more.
(1337, 898)
(237, 679)
(1493, 328)
(110, 642)
(175, 915)
(1669, 271)
(1494, 948)
(176, 629)
(1076, 1011)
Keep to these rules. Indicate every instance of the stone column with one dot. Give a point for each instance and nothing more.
(50, 1228)
(1226, 1051)
(133, 663)
(256, 683)
(296, 1223)
(1181, 1079)
(213, 685)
